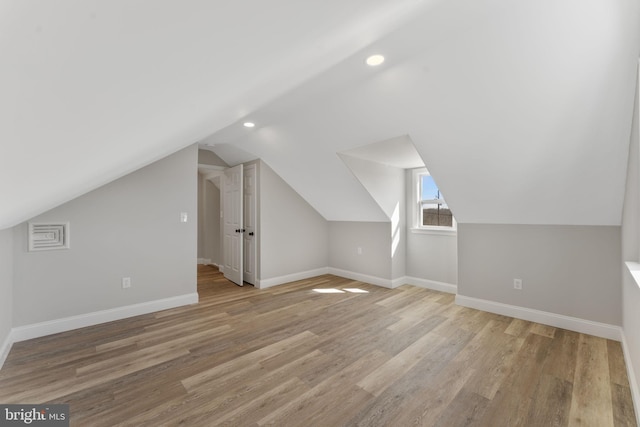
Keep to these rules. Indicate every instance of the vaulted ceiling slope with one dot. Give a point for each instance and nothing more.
(521, 110)
(92, 90)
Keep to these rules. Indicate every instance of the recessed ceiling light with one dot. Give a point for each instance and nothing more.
(249, 124)
(375, 60)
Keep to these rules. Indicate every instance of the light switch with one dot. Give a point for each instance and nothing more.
(183, 217)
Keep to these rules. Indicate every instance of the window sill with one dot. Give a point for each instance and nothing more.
(435, 231)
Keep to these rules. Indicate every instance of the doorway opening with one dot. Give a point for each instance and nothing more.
(227, 220)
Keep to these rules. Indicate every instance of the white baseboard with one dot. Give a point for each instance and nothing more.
(430, 284)
(399, 282)
(583, 326)
(385, 283)
(274, 281)
(633, 383)
(205, 261)
(6, 347)
(392, 284)
(36, 330)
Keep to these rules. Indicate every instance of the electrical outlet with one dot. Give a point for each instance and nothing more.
(126, 282)
(359, 250)
(517, 284)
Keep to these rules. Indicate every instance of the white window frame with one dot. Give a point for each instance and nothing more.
(417, 202)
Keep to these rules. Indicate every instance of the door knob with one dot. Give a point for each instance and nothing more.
(251, 233)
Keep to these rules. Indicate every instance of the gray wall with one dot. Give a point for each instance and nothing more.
(569, 270)
(398, 247)
(386, 185)
(373, 237)
(429, 256)
(206, 157)
(6, 284)
(398, 224)
(209, 238)
(293, 236)
(201, 215)
(128, 228)
(433, 257)
(630, 251)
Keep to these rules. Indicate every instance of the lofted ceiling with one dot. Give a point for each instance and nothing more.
(396, 152)
(521, 110)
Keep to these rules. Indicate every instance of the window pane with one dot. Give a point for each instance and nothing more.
(437, 215)
(434, 211)
(428, 188)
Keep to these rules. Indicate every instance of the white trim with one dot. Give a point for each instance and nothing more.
(399, 282)
(394, 283)
(633, 383)
(583, 326)
(6, 347)
(437, 231)
(37, 330)
(378, 281)
(431, 284)
(274, 281)
(205, 261)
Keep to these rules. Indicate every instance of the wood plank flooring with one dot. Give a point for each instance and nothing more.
(290, 356)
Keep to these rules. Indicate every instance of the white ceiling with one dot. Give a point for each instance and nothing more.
(521, 110)
(397, 152)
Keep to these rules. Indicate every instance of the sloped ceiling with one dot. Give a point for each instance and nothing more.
(396, 152)
(521, 110)
(380, 168)
(93, 89)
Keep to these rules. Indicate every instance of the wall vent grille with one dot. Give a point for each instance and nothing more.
(48, 237)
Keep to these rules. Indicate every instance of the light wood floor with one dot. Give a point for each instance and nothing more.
(289, 356)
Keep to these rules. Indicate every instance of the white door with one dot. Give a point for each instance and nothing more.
(250, 196)
(232, 219)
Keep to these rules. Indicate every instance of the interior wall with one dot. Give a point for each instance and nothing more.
(128, 228)
(386, 185)
(568, 270)
(293, 236)
(383, 182)
(631, 253)
(6, 288)
(399, 246)
(399, 229)
(206, 157)
(430, 256)
(209, 238)
(374, 239)
(201, 215)
(213, 238)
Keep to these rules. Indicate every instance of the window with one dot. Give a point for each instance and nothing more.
(432, 211)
